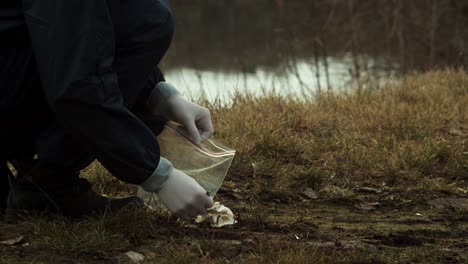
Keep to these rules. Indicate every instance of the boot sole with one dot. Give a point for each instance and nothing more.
(16, 215)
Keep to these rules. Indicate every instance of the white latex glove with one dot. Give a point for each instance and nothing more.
(183, 196)
(196, 120)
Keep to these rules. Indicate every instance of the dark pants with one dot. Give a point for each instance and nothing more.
(117, 130)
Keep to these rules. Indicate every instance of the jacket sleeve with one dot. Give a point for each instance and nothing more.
(74, 45)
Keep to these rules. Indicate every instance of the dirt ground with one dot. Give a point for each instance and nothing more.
(374, 228)
(376, 176)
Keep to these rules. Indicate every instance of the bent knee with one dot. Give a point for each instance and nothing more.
(160, 23)
(148, 22)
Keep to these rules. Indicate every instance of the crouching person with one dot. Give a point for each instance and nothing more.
(80, 81)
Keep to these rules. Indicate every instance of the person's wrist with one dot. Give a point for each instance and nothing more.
(159, 176)
(160, 98)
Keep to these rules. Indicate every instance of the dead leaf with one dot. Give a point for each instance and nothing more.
(224, 190)
(255, 169)
(455, 132)
(309, 193)
(13, 241)
(233, 193)
(135, 256)
(367, 206)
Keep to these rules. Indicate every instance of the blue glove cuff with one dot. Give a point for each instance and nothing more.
(159, 176)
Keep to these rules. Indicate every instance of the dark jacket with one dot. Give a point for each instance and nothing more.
(93, 59)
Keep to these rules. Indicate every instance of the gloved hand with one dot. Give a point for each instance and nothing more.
(195, 119)
(165, 101)
(183, 196)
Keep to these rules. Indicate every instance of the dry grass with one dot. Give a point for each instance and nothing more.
(410, 135)
(406, 140)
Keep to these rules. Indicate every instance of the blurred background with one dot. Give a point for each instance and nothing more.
(299, 47)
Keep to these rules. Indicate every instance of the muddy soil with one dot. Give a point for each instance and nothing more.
(359, 226)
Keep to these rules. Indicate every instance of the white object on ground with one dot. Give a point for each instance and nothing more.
(135, 256)
(219, 216)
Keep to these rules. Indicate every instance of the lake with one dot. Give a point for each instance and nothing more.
(301, 47)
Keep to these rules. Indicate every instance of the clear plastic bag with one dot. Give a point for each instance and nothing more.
(208, 164)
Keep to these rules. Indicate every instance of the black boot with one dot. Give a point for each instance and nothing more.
(61, 191)
(5, 177)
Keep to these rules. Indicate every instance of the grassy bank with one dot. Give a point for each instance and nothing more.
(408, 136)
(342, 178)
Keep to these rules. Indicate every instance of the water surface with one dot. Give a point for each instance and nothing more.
(299, 47)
